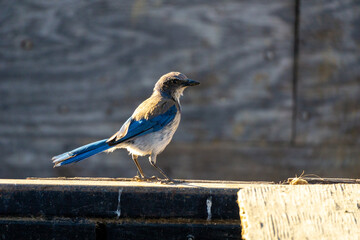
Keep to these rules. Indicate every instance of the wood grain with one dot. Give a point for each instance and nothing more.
(329, 73)
(194, 161)
(72, 72)
(300, 212)
(80, 69)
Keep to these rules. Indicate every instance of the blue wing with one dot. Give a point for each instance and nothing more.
(132, 128)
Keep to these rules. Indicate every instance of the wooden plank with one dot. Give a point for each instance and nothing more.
(209, 201)
(329, 73)
(300, 212)
(189, 185)
(175, 231)
(268, 163)
(127, 229)
(214, 161)
(119, 209)
(34, 228)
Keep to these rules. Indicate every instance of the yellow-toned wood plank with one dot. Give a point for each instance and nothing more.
(128, 182)
(300, 212)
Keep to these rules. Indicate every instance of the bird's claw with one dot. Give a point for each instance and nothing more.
(146, 179)
(139, 178)
(170, 181)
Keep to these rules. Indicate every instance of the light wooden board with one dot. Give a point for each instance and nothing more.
(300, 212)
(128, 182)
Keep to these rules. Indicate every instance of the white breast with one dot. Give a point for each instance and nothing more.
(153, 142)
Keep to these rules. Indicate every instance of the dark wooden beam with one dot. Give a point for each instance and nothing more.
(107, 208)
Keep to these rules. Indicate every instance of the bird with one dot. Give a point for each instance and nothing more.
(147, 132)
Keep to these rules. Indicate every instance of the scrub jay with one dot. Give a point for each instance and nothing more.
(148, 131)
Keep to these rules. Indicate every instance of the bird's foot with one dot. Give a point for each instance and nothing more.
(146, 179)
(156, 179)
(166, 181)
(170, 181)
(138, 178)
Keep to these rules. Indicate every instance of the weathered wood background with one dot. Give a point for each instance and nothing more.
(279, 93)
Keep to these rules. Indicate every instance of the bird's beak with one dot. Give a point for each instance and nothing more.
(190, 82)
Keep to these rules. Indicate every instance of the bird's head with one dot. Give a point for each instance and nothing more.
(173, 84)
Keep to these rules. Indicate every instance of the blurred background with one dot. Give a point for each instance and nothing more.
(279, 93)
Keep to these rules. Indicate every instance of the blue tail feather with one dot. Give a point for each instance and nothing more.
(80, 153)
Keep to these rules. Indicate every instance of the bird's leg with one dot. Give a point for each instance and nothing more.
(152, 160)
(135, 157)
